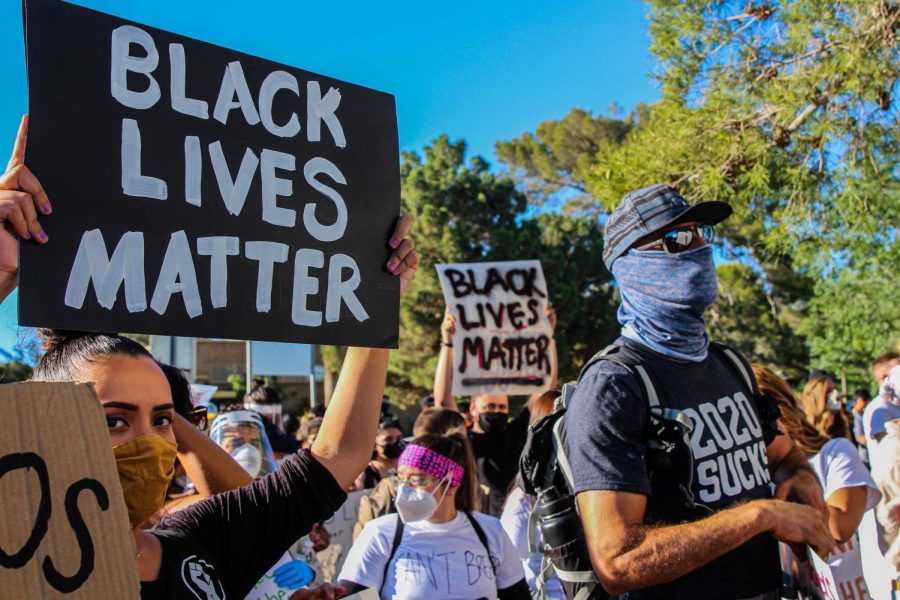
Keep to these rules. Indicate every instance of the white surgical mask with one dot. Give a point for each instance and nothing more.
(417, 504)
(248, 457)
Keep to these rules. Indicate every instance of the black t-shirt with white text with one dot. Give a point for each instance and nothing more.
(221, 547)
(606, 443)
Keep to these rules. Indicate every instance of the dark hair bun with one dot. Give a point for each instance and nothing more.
(51, 339)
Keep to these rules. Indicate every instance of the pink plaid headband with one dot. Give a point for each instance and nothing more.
(436, 465)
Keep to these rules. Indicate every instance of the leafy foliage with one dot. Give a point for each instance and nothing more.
(465, 213)
(786, 110)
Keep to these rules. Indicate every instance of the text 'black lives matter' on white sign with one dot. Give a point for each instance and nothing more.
(503, 335)
(198, 191)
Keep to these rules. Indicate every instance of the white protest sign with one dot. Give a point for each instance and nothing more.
(340, 526)
(201, 394)
(267, 589)
(503, 336)
(821, 578)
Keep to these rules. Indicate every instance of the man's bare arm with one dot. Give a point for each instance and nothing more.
(793, 475)
(629, 555)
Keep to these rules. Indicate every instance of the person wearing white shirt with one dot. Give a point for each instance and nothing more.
(436, 546)
(849, 488)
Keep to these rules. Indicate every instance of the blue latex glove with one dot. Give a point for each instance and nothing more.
(293, 575)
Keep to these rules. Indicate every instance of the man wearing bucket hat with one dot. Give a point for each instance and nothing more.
(691, 517)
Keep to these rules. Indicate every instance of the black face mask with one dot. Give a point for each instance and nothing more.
(394, 449)
(493, 423)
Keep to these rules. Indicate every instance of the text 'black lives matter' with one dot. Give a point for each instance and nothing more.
(199, 191)
(503, 336)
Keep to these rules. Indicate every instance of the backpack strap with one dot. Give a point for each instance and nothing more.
(737, 363)
(766, 405)
(483, 539)
(398, 536)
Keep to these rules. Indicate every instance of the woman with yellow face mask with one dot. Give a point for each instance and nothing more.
(220, 547)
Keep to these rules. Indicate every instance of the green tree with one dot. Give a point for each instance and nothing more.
(558, 164)
(787, 111)
(746, 318)
(464, 213)
(553, 165)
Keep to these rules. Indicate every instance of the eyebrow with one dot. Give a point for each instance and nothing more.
(134, 407)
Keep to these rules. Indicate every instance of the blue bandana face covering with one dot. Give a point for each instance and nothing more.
(664, 297)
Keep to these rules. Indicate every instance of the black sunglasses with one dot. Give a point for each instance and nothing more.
(681, 239)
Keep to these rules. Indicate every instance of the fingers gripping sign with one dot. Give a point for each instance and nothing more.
(404, 261)
(22, 198)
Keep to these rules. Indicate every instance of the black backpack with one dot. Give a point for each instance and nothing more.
(545, 472)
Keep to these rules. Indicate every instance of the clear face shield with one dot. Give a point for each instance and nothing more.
(270, 412)
(242, 434)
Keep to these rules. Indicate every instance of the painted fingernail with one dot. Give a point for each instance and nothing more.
(44, 236)
(27, 235)
(394, 243)
(392, 265)
(47, 209)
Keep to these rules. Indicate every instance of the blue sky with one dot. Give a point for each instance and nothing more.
(482, 71)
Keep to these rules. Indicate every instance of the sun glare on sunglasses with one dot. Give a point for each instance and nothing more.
(681, 239)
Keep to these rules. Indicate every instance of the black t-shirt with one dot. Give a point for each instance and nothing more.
(606, 444)
(220, 547)
(497, 459)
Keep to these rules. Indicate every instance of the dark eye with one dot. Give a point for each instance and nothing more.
(115, 422)
(163, 421)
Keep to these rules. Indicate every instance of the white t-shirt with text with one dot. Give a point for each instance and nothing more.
(515, 522)
(433, 560)
(838, 466)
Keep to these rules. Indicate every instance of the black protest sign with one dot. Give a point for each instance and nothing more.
(502, 340)
(198, 191)
(63, 521)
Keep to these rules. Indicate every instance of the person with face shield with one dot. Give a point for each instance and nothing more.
(436, 546)
(219, 547)
(243, 435)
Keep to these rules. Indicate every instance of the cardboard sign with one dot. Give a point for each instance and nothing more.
(63, 522)
(198, 191)
(502, 335)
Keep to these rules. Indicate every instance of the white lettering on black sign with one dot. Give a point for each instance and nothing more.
(204, 191)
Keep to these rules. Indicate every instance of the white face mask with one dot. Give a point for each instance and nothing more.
(417, 504)
(248, 457)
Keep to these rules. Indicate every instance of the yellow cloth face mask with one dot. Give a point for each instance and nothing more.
(146, 466)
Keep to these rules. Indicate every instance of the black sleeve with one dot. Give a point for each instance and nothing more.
(517, 591)
(247, 530)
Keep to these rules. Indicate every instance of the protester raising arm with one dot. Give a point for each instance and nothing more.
(443, 375)
(344, 443)
(209, 466)
(21, 200)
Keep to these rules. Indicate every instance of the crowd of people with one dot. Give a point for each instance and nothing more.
(694, 473)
